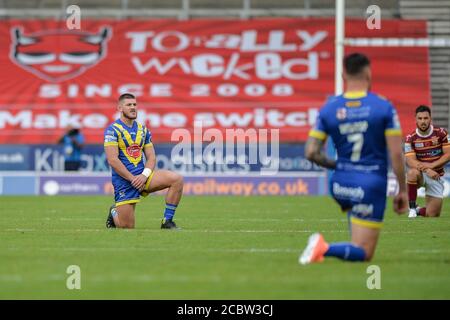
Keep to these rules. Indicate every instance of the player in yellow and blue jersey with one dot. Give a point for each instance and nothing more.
(129, 151)
(363, 127)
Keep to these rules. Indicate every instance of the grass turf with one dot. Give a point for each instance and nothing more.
(230, 248)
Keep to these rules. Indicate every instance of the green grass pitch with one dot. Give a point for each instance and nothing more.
(229, 248)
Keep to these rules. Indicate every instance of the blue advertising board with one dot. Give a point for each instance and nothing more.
(50, 158)
(19, 184)
(74, 185)
(312, 183)
(69, 184)
(15, 158)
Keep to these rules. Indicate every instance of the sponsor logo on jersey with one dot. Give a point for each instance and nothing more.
(347, 192)
(134, 150)
(353, 127)
(110, 138)
(435, 141)
(353, 104)
(341, 113)
(431, 153)
(408, 147)
(363, 209)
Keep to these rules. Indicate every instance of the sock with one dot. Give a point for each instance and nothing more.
(346, 251)
(170, 211)
(422, 212)
(412, 194)
(114, 212)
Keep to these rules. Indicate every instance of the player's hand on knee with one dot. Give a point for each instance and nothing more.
(423, 166)
(432, 174)
(139, 182)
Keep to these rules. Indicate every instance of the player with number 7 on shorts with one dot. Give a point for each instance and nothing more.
(365, 130)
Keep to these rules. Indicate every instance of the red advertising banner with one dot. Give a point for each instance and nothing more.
(262, 73)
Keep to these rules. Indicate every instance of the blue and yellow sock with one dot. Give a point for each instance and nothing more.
(346, 251)
(170, 211)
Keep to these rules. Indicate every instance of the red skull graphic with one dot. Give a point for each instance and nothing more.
(58, 55)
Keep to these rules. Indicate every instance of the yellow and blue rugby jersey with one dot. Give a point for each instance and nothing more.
(358, 122)
(130, 142)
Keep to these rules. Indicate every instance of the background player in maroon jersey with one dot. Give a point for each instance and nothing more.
(427, 151)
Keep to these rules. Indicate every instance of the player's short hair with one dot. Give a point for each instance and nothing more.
(355, 63)
(423, 108)
(126, 96)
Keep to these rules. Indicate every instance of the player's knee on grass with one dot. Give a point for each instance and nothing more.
(413, 175)
(434, 207)
(368, 248)
(369, 251)
(369, 254)
(126, 226)
(433, 213)
(125, 217)
(365, 238)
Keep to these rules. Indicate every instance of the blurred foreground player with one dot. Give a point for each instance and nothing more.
(126, 143)
(363, 127)
(427, 151)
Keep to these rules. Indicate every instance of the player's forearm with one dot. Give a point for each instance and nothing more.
(441, 161)
(322, 160)
(151, 157)
(314, 153)
(120, 168)
(412, 162)
(150, 163)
